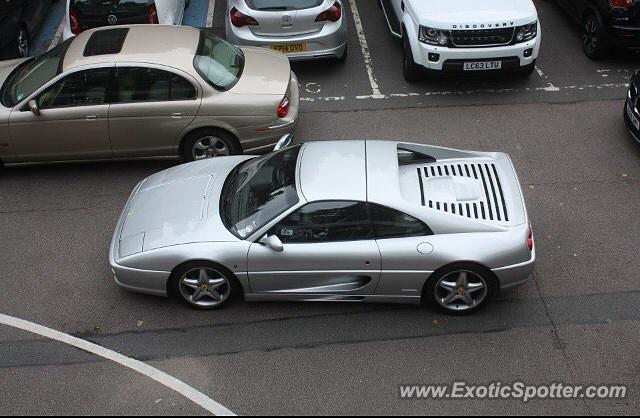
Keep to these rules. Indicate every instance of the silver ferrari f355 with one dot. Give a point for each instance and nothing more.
(344, 221)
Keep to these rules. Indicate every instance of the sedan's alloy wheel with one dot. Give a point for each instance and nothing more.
(204, 287)
(461, 290)
(210, 147)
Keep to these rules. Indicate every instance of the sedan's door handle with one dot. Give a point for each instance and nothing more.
(176, 115)
(92, 117)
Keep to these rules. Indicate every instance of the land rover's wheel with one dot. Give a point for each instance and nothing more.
(208, 143)
(460, 289)
(594, 43)
(410, 69)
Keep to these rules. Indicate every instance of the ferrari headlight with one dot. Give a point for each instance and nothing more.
(526, 33)
(432, 36)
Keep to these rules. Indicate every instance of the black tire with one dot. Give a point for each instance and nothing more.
(594, 42)
(232, 289)
(229, 145)
(433, 295)
(410, 69)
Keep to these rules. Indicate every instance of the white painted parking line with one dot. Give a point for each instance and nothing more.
(545, 78)
(161, 377)
(375, 88)
(210, 13)
(547, 89)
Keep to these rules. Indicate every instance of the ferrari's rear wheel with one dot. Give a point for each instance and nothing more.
(204, 285)
(460, 289)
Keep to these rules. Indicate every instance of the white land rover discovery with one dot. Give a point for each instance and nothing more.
(465, 35)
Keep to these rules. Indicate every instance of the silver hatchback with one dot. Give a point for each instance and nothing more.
(301, 29)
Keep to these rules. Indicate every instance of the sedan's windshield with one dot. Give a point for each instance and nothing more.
(217, 61)
(33, 74)
(259, 190)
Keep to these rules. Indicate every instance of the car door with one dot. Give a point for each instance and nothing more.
(406, 246)
(151, 109)
(72, 122)
(328, 249)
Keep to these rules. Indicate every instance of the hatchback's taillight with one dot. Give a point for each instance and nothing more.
(625, 4)
(283, 108)
(530, 239)
(332, 14)
(74, 22)
(152, 15)
(239, 19)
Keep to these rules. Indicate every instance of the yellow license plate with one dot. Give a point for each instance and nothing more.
(290, 48)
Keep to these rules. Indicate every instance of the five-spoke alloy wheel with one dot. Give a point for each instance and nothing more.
(460, 289)
(209, 143)
(204, 286)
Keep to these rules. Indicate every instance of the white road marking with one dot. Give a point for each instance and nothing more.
(161, 377)
(210, 12)
(375, 88)
(550, 86)
(467, 92)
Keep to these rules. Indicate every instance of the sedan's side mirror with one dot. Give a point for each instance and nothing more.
(33, 107)
(273, 242)
(284, 142)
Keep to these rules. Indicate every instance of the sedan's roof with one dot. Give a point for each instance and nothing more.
(174, 46)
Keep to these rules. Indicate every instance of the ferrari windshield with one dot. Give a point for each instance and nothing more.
(33, 74)
(259, 190)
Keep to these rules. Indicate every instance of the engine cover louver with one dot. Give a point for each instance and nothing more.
(491, 205)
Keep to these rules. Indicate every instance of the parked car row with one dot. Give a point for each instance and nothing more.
(305, 222)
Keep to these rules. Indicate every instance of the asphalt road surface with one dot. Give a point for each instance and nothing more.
(577, 321)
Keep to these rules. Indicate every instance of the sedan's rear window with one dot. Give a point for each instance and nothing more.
(107, 7)
(283, 4)
(217, 61)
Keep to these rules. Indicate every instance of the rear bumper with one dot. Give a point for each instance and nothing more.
(262, 138)
(330, 42)
(515, 275)
(627, 37)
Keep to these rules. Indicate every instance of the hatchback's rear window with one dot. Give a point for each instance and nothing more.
(283, 4)
(217, 61)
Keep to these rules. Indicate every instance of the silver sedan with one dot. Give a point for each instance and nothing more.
(347, 221)
(302, 29)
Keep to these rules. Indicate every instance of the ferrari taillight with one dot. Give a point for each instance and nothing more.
(530, 239)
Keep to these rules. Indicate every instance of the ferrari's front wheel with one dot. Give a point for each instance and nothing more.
(460, 289)
(204, 285)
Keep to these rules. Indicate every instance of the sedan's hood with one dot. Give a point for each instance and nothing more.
(444, 14)
(265, 72)
(177, 206)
